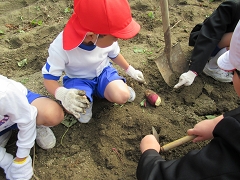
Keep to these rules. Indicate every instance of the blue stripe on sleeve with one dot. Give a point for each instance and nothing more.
(47, 66)
(113, 57)
(51, 77)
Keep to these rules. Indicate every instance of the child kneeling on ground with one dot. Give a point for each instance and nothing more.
(30, 113)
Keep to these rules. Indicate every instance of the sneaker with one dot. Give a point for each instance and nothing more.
(132, 94)
(218, 74)
(45, 137)
(4, 138)
(85, 118)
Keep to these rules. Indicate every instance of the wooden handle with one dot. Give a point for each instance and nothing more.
(165, 15)
(176, 143)
(166, 27)
(166, 30)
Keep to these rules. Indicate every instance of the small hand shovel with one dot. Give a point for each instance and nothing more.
(155, 134)
(172, 60)
(173, 144)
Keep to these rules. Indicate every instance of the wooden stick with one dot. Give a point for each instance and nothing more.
(176, 24)
(176, 143)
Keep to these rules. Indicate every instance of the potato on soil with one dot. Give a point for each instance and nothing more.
(152, 97)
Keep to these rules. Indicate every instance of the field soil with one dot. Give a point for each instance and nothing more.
(108, 146)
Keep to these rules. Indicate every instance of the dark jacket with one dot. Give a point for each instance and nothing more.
(218, 160)
(206, 36)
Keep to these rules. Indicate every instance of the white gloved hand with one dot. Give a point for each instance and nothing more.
(5, 161)
(21, 170)
(73, 100)
(135, 74)
(186, 79)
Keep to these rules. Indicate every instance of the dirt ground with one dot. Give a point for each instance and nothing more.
(87, 151)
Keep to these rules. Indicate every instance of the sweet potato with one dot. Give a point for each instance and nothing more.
(152, 97)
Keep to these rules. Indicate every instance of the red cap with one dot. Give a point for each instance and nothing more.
(107, 17)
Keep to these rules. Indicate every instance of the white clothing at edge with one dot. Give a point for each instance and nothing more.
(14, 108)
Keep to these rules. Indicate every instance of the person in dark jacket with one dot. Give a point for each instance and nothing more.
(211, 39)
(219, 159)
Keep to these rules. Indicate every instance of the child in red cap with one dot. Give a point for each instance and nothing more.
(219, 159)
(83, 50)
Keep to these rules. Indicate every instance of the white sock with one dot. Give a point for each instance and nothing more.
(213, 61)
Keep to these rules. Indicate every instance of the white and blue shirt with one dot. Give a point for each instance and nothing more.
(81, 62)
(15, 109)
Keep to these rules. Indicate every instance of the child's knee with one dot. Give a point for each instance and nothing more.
(122, 97)
(54, 116)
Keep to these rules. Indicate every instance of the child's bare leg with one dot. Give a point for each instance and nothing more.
(50, 113)
(225, 41)
(117, 91)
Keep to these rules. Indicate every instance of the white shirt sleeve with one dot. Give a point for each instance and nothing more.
(56, 60)
(14, 104)
(115, 50)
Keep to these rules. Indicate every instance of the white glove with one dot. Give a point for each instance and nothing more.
(73, 100)
(21, 170)
(135, 74)
(5, 161)
(186, 79)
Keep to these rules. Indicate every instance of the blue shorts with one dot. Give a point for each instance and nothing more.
(31, 96)
(94, 86)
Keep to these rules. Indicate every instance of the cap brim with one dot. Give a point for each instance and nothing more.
(129, 31)
(71, 37)
(224, 62)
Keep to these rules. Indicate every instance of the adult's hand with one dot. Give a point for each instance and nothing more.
(186, 79)
(73, 100)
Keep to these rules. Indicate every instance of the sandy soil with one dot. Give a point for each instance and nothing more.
(87, 151)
